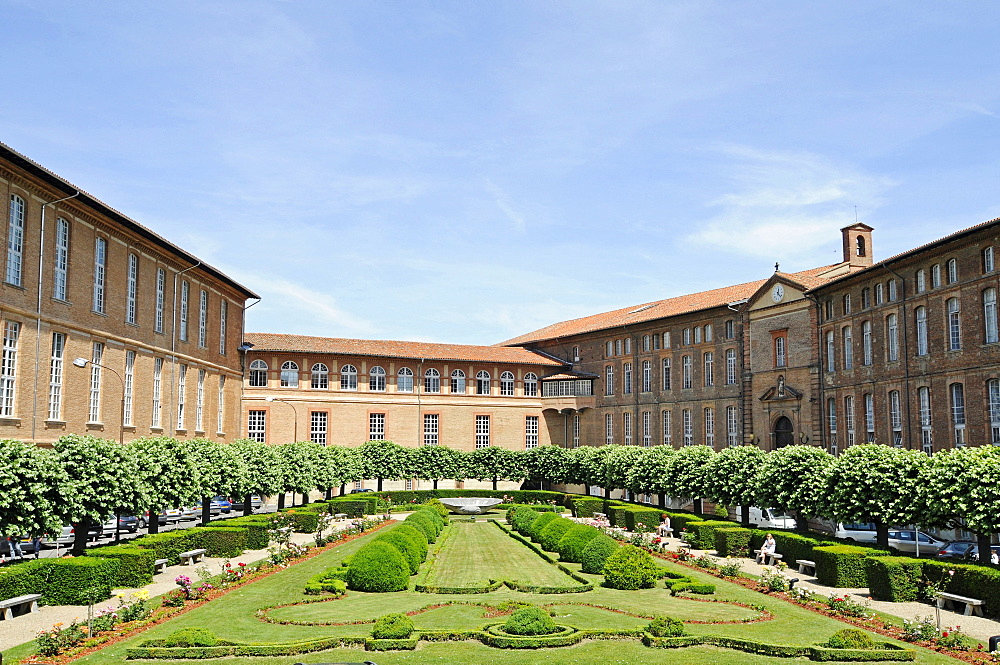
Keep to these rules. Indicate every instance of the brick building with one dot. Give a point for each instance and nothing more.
(158, 328)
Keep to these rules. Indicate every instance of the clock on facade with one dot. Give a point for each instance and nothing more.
(777, 293)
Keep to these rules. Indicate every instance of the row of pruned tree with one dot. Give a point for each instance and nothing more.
(87, 479)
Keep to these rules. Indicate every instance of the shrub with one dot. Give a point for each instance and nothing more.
(171, 543)
(78, 580)
(379, 567)
(596, 552)
(701, 535)
(733, 541)
(663, 626)
(893, 578)
(521, 519)
(435, 515)
(974, 581)
(630, 568)
(22, 578)
(409, 542)
(191, 637)
(350, 507)
(530, 621)
(549, 537)
(135, 565)
(850, 638)
(223, 541)
(257, 537)
(571, 545)
(791, 545)
(422, 521)
(682, 520)
(303, 519)
(641, 519)
(439, 507)
(586, 507)
(617, 515)
(843, 565)
(541, 521)
(393, 627)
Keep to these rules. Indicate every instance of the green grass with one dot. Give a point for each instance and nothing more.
(478, 551)
(233, 616)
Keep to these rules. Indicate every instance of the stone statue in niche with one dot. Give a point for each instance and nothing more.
(781, 385)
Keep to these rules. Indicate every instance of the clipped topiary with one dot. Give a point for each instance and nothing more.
(409, 542)
(540, 523)
(521, 518)
(435, 516)
(550, 536)
(530, 621)
(191, 637)
(570, 546)
(439, 508)
(663, 626)
(596, 552)
(378, 567)
(393, 627)
(630, 568)
(422, 521)
(851, 638)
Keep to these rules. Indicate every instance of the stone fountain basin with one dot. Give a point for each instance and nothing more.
(470, 505)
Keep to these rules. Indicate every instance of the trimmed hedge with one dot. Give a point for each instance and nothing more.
(521, 518)
(550, 536)
(586, 507)
(78, 580)
(223, 541)
(968, 580)
(135, 565)
(894, 578)
(791, 545)
(883, 651)
(350, 507)
(410, 542)
(681, 521)
(378, 566)
(701, 534)
(23, 578)
(392, 627)
(423, 522)
(330, 580)
(733, 540)
(843, 565)
(571, 545)
(530, 621)
(642, 519)
(170, 544)
(630, 568)
(256, 528)
(305, 520)
(596, 552)
(540, 523)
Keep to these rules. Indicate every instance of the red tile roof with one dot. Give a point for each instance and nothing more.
(397, 349)
(661, 309)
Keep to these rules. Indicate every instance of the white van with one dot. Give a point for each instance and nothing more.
(768, 518)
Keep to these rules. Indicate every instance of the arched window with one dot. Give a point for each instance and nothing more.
(507, 384)
(921, 280)
(483, 383)
(376, 379)
(866, 342)
(258, 374)
(320, 376)
(576, 354)
(686, 380)
(921, 317)
(458, 382)
(404, 380)
(289, 375)
(432, 381)
(530, 384)
(348, 377)
(990, 315)
(647, 376)
(952, 266)
(954, 325)
(892, 337)
(848, 345)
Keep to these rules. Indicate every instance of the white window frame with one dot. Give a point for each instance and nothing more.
(203, 319)
(708, 361)
(831, 345)
(892, 337)
(223, 324)
(507, 384)
(155, 416)
(15, 241)
(131, 288)
(182, 333)
(869, 399)
(319, 377)
(667, 425)
(957, 393)
(318, 426)
(993, 395)
(127, 388)
(609, 429)
(849, 418)
(483, 382)
(848, 345)
(376, 426)
(257, 425)
(687, 380)
(432, 424)
(952, 270)
(688, 427)
(920, 315)
(731, 373)
(258, 374)
(576, 431)
(926, 428)
(458, 382)
(990, 331)
(626, 378)
(627, 427)
(866, 343)
(376, 380)
(530, 432)
(732, 426)
(647, 429)
(953, 309)
(404, 380)
(199, 404)
(60, 263)
(609, 380)
(94, 403)
(220, 415)
(896, 418)
(181, 395)
(289, 377)
(709, 427)
(100, 266)
(432, 381)
(936, 276)
(349, 377)
(647, 376)
(531, 385)
(8, 369)
(482, 431)
(56, 376)
(161, 286)
(667, 384)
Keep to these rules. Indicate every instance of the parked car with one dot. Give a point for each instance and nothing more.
(768, 518)
(363, 489)
(68, 535)
(913, 542)
(861, 532)
(255, 503)
(974, 555)
(960, 550)
(171, 516)
(124, 523)
(188, 513)
(221, 504)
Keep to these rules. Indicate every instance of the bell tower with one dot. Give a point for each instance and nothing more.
(857, 245)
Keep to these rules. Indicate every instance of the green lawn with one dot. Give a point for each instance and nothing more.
(233, 617)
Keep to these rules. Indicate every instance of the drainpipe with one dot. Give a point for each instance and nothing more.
(739, 338)
(38, 311)
(821, 346)
(906, 354)
(243, 349)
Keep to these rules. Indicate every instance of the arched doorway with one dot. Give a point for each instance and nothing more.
(783, 433)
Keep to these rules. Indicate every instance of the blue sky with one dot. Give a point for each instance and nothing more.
(469, 171)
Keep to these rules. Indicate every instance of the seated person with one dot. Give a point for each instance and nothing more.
(767, 549)
(664, 528)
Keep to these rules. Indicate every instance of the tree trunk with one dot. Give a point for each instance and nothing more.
(881, 534)
(607, 492)
(494, 484)
(81, 533)
(435, 483)
(379, 484)
(663, 500)
(801, 521)
(154, 521)
(698, 506)
(247, 505)
(305, 498)
(983, 545)
(281, 501)
(206, 511)
(329, 493)
(343, 489)
(745, 516)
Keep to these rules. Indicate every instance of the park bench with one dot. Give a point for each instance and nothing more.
(194, 556)
(600, 516)
(806, 566)
(28, 603)
(160, 566)
(773, 558)
(340, 516)
(972, 605)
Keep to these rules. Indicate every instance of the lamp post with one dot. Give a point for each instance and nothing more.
(81, 363)
(295, 437)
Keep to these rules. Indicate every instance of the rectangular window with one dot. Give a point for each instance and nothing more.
(609, 349)
(94, 411)
(131, 288)
(8, 368)
(952, 266)
(530, 432)
(576, 431)
(990, 315)
(185, 294)
(866, 298)
(697, 334)
(847, 304)
(157, 390)
(730, 329)
(879, 294)
(618, 347)
(866, 342)
(954, 325)
(647, 428)
(161, 286)
(609, 429)
(921, 281)
(646, 343)
(831, 418)
(780, 355)
(199, 403)
(688, 427)
(627, 378)
(709, 359)
(895, 418)
(892, 337)
(668, 434)
(958, 412)
(609, 380)
(710, 427)
(129, 381)
(921, 316)
(993, 388)
(482, 431)
(708, 332)
(831, 360)
(203, 319)
(627, 427)
(666, 340)
(731, 374)
(181, 390)
(55, 375)
(15, 240)
(936, 276)
(60, 265)
(376, 426)
(732, 426)
(686, 380)
(647, 376)
(317, 427)
(223, 313)
(926, 432)
(257, 425)
(628, 346)
(849, 419)
(870, 417)
(666, 373)
(100, 264)
(686, 336)
(220, 416)
(848, 348)
(891, 286)
(430, 429)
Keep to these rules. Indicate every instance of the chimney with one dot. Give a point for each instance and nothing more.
(857, 245)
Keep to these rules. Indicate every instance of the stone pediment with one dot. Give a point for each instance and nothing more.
(780, 392)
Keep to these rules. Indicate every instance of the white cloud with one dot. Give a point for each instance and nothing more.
(306, 310)
(504, 204)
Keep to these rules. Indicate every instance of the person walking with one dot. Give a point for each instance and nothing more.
(36, 545)
(14, 546)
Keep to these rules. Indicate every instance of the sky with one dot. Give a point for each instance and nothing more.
(468, 171)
